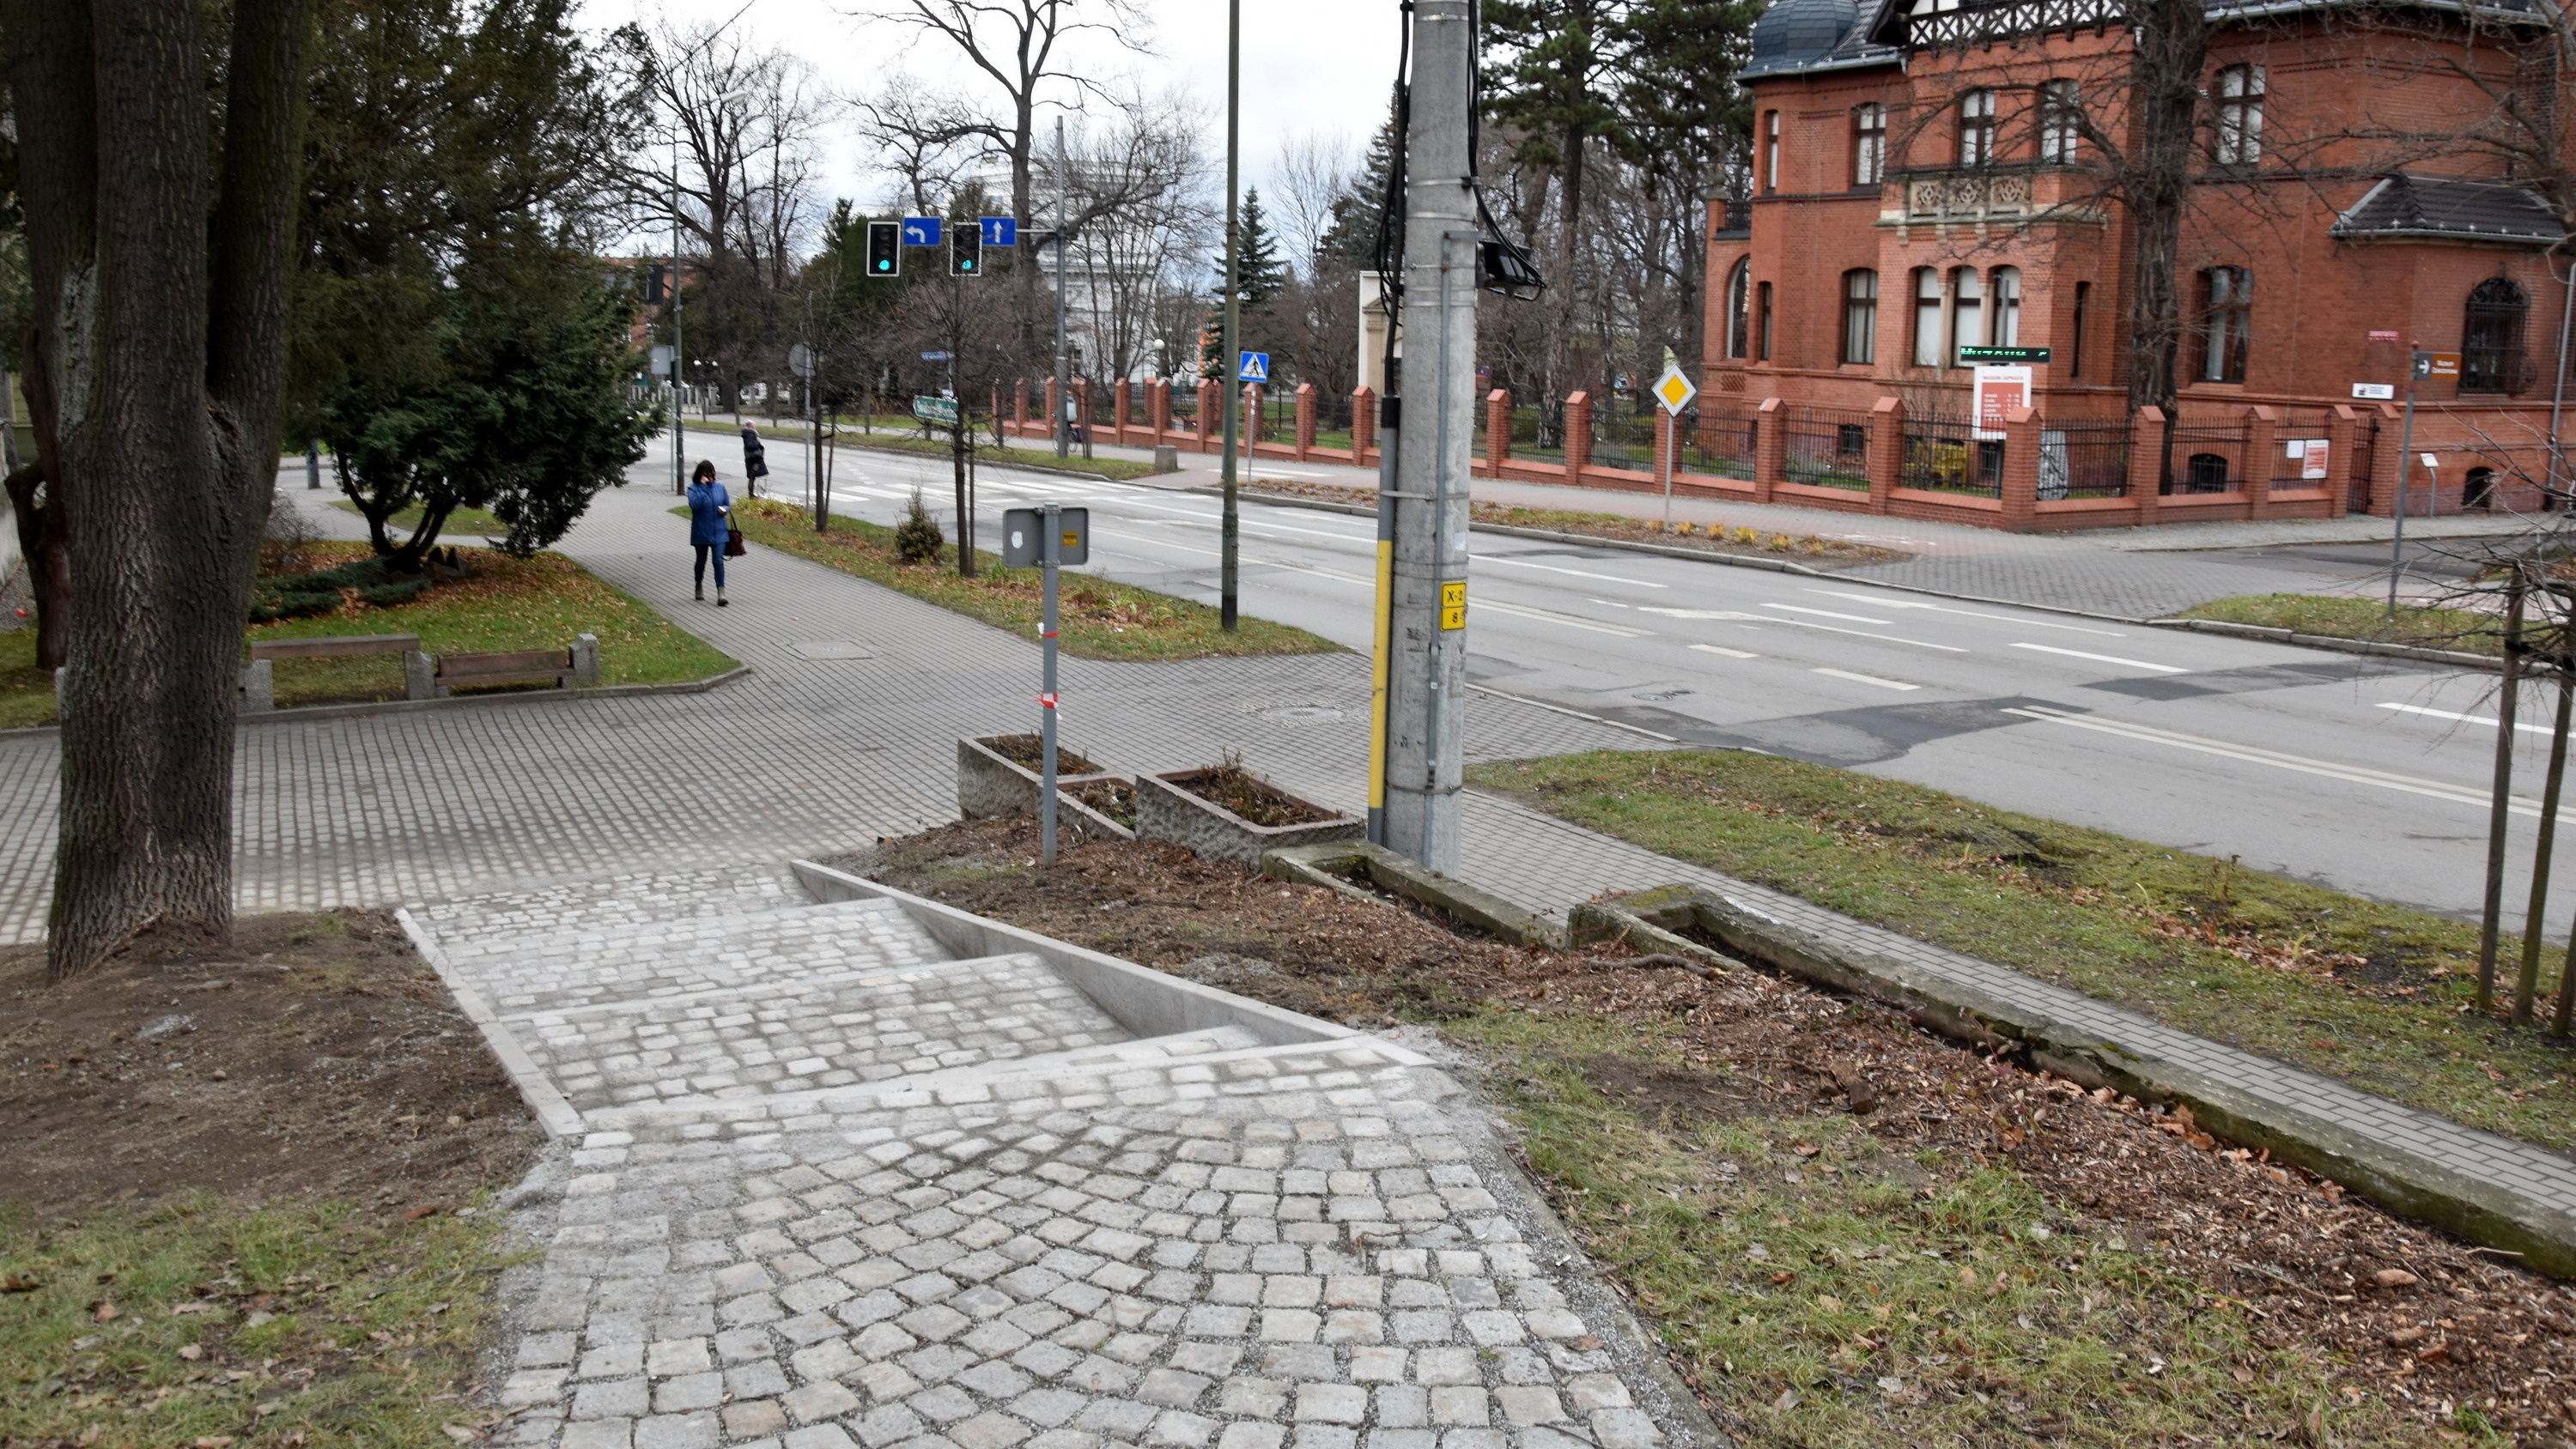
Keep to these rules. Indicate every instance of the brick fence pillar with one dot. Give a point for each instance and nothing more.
(1082, 404)
(1498, 431)
(1770, 449)
(2146, 461)
(2262, 459)
(1667, 446)
(1158, 404)
(1019, 404)
(1054, 409)
(1211, 432)
(1248, 430)
(1578, 435)
(2343, 436)
(1886, 452)
(1305, 420)
(1118, 413)
(2021, 470)
(1363, 425)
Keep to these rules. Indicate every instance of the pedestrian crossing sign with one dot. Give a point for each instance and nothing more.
(1673, 390)
(1256, 367)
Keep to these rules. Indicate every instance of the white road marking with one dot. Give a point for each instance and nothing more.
(1608, 603)
(2475, 719)
(1884, 602)
(1735, 614)
(1864, 679)
(2352, 774)
(1722, 649)
(1494, 558)
(1859, 633)
(2105, 658)
(1544, 616)
(1578, 714)
(1828, 614)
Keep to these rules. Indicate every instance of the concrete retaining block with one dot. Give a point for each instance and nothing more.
(1331, 864)
(990, 786)
(2541, 1236)
(1165, 811)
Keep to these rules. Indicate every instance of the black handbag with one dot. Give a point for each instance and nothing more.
(734, 546)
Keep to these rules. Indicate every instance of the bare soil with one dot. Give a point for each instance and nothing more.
(1248, 796)
(317, 1056)
(1029, 752)
(2396, 1310)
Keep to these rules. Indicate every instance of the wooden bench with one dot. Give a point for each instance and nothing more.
(259, 680)
(573, 668)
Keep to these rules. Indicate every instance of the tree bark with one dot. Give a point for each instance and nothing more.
(157, 418)
(2172, 47)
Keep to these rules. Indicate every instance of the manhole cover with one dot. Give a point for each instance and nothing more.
(831, 649)
(1660, 695)
(1301, 711)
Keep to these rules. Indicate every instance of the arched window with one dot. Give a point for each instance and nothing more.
(1977, 128)
(2491, 338)
(1869, 144)
(1967, 313)
(1927, 317)
(2207, 473)
(1860, 316)
(1739, 308)
(2227, 322)
(2007, 306)
(2061, 126)
(2239, 141)
(2478, 495)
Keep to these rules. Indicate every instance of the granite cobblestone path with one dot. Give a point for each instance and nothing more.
(1200, 1241)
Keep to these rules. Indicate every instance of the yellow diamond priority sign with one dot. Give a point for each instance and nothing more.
(1674, 390)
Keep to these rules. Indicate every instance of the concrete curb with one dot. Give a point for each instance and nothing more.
(2542, 1237)
(553, 1112)
(1696, 555)
(1324, 865)
(2328, 641)
(301, 713)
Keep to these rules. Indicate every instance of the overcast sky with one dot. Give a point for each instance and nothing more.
(1310, 67)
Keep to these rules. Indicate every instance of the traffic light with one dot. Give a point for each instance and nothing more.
(965, 251)
(885, 249)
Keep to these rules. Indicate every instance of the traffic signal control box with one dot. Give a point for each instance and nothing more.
(885, 249)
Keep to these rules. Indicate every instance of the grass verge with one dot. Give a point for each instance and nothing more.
(1808, 549)
(1096, 619)
(209, 1324)
(1821, 1287)
(2463, 630)
(508, 603)
(2377, 995)
(1114, 468)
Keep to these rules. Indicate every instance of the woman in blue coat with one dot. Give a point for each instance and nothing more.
(710, 525)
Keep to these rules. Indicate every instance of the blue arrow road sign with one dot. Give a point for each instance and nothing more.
(1001, 231)
(921, 231)
(937, 356)
(1256, 368)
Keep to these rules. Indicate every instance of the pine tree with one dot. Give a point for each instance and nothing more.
(1352, 239)
(1260, 274)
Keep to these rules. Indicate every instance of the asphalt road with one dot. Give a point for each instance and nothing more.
(2363, 774)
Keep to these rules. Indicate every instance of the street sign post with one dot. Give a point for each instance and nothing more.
(1000, 231)
(921, 231)
(2004, 354)
(1255, 368)
(2419, 365)
(1050, 537)
(940, 410)
(1674, 391)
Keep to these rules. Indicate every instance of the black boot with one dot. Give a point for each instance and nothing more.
(702, 592)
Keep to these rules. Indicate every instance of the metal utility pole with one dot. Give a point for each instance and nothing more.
(679, 349)
(1049, 551)
(1228, 575)
(1429, 612)
(1063, 270)
(2418, 362)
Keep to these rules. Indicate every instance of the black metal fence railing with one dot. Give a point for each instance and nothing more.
(1944, 454)
(2358, 468)
(1332, 420)
(1717, 441)
(2208, 455)
(2084, 460)
(1825, 447)
(1185, 409)
(1623, 439)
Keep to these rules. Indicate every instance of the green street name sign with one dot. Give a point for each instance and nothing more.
(935, 410)
(2003, 354)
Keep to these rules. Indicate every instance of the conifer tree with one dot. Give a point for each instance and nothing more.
(1260, 274)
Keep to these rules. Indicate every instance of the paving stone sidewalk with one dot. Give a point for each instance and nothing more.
(1195, 1242)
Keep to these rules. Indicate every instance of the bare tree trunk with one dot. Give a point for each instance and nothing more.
(163, 383)
(2172, 46)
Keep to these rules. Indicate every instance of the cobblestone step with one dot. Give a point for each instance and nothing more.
(850, 1030)
(566, 970)
(606, 902)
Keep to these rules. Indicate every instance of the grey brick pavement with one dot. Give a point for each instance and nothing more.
(1200, 1242)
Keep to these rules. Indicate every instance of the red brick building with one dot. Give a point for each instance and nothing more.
(1931, 175)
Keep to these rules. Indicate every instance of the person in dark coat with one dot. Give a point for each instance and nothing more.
(755, 462)
(710, 525)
